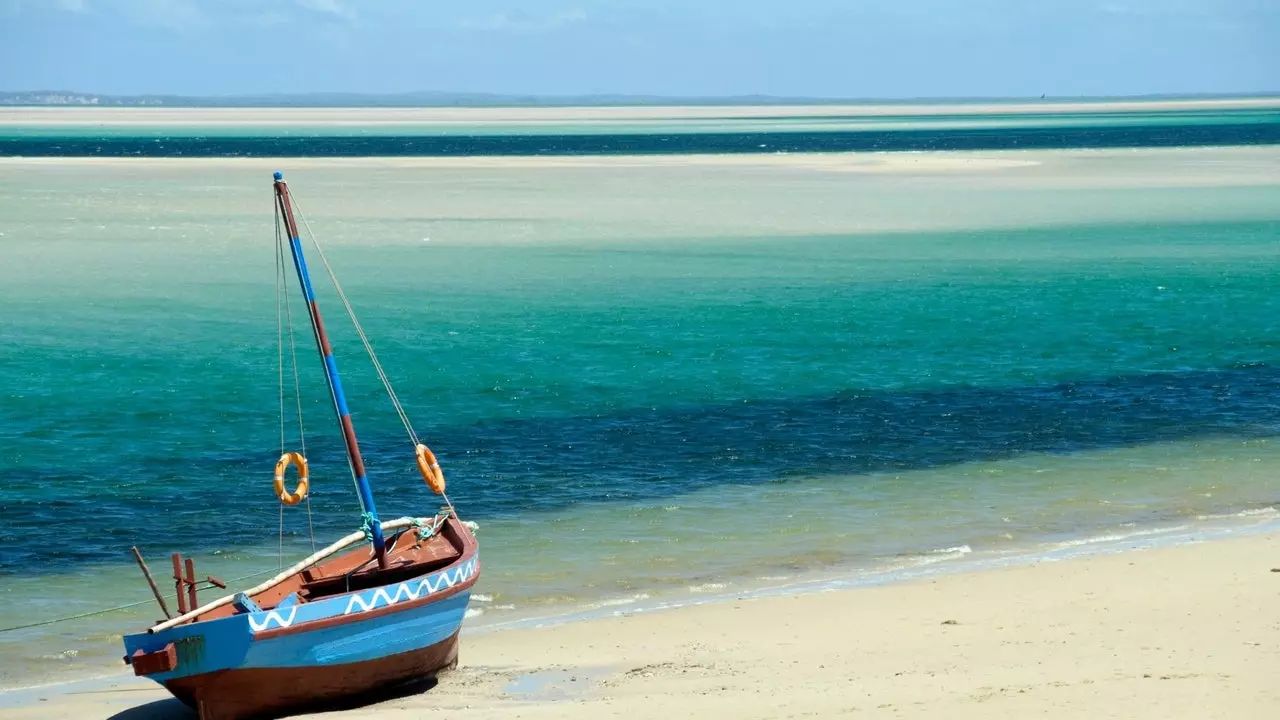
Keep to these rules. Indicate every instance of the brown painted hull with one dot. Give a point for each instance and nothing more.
(269, 692)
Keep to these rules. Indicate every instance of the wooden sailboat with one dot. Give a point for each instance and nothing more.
(379, 607)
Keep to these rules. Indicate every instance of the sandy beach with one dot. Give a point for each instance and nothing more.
(1095, 167)
(1188, 631)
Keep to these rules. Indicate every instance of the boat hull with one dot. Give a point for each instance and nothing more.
(267, 691)
(244, 660)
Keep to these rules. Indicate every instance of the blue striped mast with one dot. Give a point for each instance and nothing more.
(354, 460)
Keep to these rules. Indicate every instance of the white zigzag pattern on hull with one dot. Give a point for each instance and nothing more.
(406, 591)
(273, 615)
(378, 598)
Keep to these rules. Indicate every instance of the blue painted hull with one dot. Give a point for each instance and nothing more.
(332, 646)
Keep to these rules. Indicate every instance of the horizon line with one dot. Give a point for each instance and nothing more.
(440, 98)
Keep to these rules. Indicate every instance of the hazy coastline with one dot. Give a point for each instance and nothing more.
(391, 116)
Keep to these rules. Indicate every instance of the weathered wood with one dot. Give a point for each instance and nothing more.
(216, 582)
(255, 692)
(191, 583)
(177, 584)
(162, 660)
(151, 581)
(333, 549)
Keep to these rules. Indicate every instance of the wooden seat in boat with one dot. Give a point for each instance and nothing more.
(406, 558)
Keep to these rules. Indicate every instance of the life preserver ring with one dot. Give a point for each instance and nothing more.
(299, 493)
(430, 469)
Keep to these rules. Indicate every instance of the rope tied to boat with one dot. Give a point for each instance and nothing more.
(426, 530)
(117, 608)
(366, 525)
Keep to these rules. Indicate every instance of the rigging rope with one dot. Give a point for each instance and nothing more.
(280, 368)
(282, 280)
(364, 339)
(351, 313)
(280, 330)
(119, 607)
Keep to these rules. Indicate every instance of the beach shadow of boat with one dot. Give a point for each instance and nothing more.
(389, 693)
(167, 709)
(173, 709)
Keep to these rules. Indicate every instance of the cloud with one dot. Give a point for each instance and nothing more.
(523, 23)
(266, 19)
(179, 14)
(328, 7)
(1192, 8)
(173, 14)
(72, 6)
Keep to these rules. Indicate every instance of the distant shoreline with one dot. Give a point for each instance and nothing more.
(73, 115)
(968, 162)
(64, 98)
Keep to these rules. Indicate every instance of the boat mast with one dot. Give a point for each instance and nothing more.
(354, 461)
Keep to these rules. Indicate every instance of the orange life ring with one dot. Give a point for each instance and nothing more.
(430, 469)
(300, 492)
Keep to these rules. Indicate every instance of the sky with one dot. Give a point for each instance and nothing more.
(794, 48)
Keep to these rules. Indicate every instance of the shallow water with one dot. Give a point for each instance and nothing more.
(645, 380)
(1143, 126)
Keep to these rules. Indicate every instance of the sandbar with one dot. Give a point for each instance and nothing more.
(70, 116)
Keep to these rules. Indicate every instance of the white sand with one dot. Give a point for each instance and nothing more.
(468, 201)
(1184, 632)
(172, 116)
(1261, 162)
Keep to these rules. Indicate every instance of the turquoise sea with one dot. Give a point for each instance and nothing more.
(649, 380)
(453, 132)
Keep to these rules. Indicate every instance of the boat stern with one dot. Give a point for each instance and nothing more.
(188, 649)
